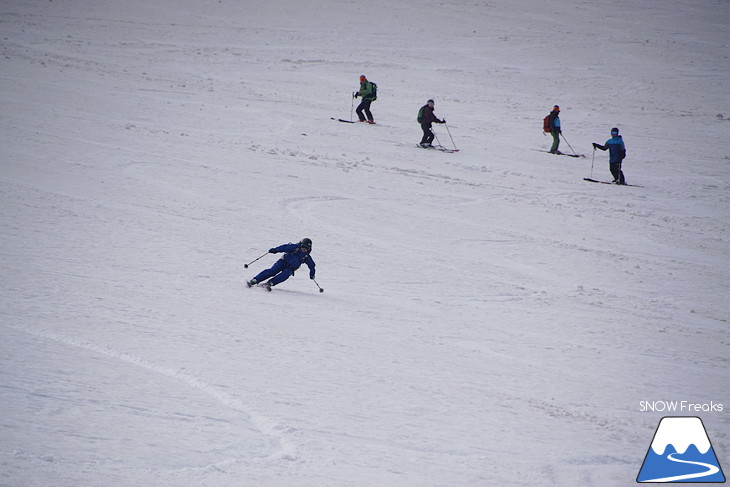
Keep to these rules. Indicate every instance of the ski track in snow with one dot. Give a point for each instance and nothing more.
(280, 433)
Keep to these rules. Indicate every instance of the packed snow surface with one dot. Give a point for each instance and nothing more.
(489, 317)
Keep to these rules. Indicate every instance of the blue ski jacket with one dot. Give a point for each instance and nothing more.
(615, 147)
(294, 257)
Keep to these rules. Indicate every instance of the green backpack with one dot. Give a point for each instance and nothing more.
(420, 114)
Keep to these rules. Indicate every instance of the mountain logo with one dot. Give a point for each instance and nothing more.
(681, 452)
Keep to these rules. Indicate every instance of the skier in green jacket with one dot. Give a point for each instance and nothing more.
(368, 94)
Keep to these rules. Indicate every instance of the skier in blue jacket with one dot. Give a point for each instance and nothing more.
(617, 153)
(295, 254)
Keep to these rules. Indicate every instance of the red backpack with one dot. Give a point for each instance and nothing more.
(546, 124)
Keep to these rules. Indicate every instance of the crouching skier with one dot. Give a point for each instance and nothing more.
(295, 254)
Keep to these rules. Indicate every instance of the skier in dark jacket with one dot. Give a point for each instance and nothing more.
(368, 96)
(295, 254)
(555, 129)
(426, 117)
(617, 153)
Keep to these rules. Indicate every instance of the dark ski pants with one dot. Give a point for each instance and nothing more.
(427, 134)
(364, 106)
(556, 140)
(617, 173)
(280, 270)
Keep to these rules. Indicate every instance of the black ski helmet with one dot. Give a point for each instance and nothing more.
(306, 243)
(614, 131)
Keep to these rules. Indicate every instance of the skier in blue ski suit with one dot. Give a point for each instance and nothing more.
(295, 254)
(617, 152)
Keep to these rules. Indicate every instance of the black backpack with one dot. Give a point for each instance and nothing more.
(375, 91)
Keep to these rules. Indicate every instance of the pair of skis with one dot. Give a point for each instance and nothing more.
(560, 153)
(440, 148)
(350, 121)
(264, 285)
(608, 182)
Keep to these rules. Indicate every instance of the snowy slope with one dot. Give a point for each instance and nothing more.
(489, 317)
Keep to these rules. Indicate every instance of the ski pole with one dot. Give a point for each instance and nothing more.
(566, 141)
(437, 138)
(352, 106)
(320, 288)
(245, 266)
(452, 139)
(592, 161)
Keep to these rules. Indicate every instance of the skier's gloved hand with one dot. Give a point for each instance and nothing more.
(311, 276)
(443, 121)
(272, 251)
(595, 146)
(355, 95)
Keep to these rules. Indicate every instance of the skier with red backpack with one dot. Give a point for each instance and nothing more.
(551, 125)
